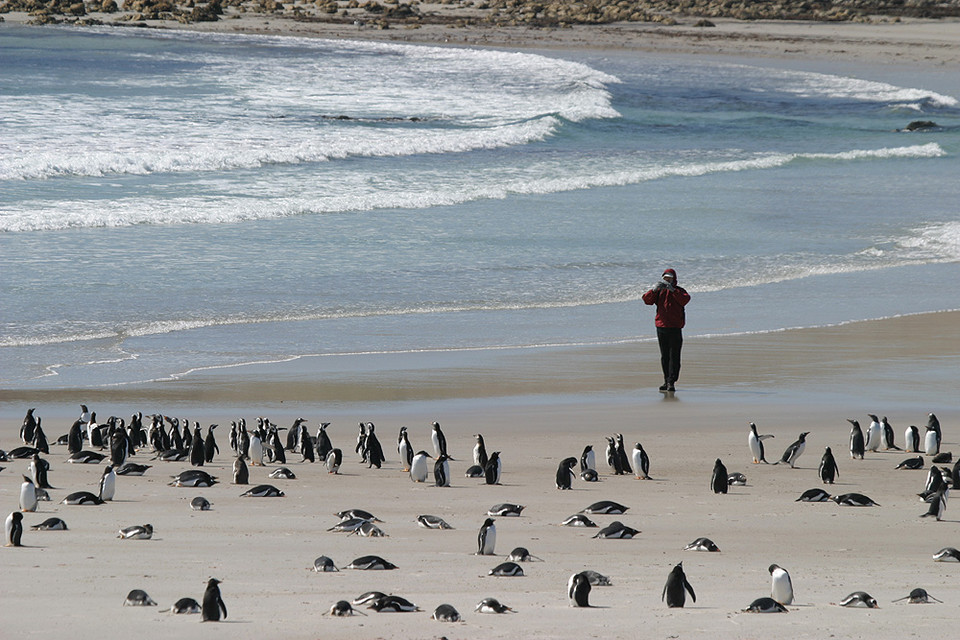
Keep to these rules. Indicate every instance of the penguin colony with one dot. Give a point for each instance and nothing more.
(162, 439)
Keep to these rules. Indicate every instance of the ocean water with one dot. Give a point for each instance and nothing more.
(174, 202)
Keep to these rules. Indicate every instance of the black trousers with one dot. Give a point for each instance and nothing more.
(671, 341)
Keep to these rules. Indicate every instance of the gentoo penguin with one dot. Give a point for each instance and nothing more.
(262, 491)
(473, 471)
(119, 446)
(184, 606)
(856, 440)
(480, 457)
(522, 554)
(293, 435)
(888, 435)
(860, 599)
(947, 554)
(492, 605)
(28, 427)
(674, 591)
(93, 431)
(334, 460)
(588, 459)
(392, 603)
(854, 500)
(136, 532)
(828, 467)
(86, 457)
(307, 451)
(702, 544)
(874, 434)
(28, 495)
(132, 469)
(944, 457)
(606, 507)
(367, 597)
(938, 504)
(342, 608)
(40, 439)
(445, 613)
(50, 524)
(418, 467)
(486, 538)
(613, 461)
(795, 450)
(372, 450)
(578, 520)
(193, 478)
(507, 570)
(718, 481)
(361, 447)
(919, 596)
(933, 423)
(931, 441)
(813, 495)
(81, 498)
(565, 473)
(506, 510)
(324, 564)
(404, 449)
(282, 473)
(616, 530)
(357, 513)
(371, 563)
(911, 437)
(641, 462)
(348, 525)
(212, 605)
(255, 449)
(911, 463)
(108, 484)
(200, 504)
(624, 459)
(781, 588)
(210, 447)
(13, 529)
(439, 440)
(765, 605)
(324, 446)
(75, 438)
(755, 440)
(197, 455)
(597, 579)
(589, 475)
(139, 598)
(432, 522)
(491, 472)
(441, 471)
(578, 590)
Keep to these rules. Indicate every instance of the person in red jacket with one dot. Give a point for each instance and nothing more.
(671, 317)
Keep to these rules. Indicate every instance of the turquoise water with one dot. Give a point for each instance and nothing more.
(174, 202)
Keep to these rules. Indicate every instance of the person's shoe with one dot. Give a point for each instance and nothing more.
(665, 386)
(670, 387)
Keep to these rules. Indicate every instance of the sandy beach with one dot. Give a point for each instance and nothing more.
(536, 407)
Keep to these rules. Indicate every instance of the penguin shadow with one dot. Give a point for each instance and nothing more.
(669, 396)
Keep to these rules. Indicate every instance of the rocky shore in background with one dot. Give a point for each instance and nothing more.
(394, 14)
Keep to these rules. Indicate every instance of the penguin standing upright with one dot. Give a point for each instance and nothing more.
(404, 449)
(641, 462)
(324, 446)
(418, 467)
(933, 423)
(306, 444)
(197, 454)
(255, 449)
(275, 446)
(588, 459)
(480, 457)
(38, 471)
(911, 437)
(938, 503)
(212, 605)
(611, 455)
(781, 588)
(439, 440)
(108, 484)
(28, 427)
(856, 440)
(40, 439)
(674, 591)
(795, 450)
(755, 440)
(486, 538)
(75, 438)
(931, 441)
(119, 446)
(718, 481)
(210, 447)
(578, 590)
(373, 452)
(874, 434)
(622, 456)
(888, 435)
(565, 473)
(28, 495)
(13, 529)
(828, 467)
(334, 460)
(491, 473)
(441, 471)
(241, 475)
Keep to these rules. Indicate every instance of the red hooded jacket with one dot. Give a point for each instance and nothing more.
(670, 301)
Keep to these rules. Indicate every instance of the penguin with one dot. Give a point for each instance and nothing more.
(492, 605)
(445, 613)
(392, 603)
(480, 457)
(193, 478)
(119, 446)
(372, 450)
(212, 605)
(200, 504)
(765, 605)
(641, 462)
(418, 467)
(933, 423)
(367, 598)
(28, 495)
(361, 447)
(432, 522)
(341, 609)
(736, 479)
(613, 461)
(795, 450)
(702, 544)
(132, 469)
(334, 460)
(565, 473)
(262, 491)
(405, 449)
(255, 451)
(241, 475)
(136, 532)
(781, 588)
(506, 510)
(348, 525)
(324, 564)
(357, 513)
(597, 579)
(675, 588)
(40, 439)
(28, 427)
(588, 460)
(944, 457)
(75, 438)
(108, 484)
(139, 598)
(938, 504)
(616, 530)
(860, 599)
(13, 529)
(813, 495)
(718, 481)
(441, 471)
(491, 472)
(934, 481)
(911, 438)
(578, 520)
(86, 457)
(578, 590)
(210, 448)
(506, 570)
(828, 467)
(589, 475)
(486, 538)
(854, 500)
(274, 449)
(755, 440)
(911, 463)
(323, 446)
(93, 431)
(307, 450)
(856, 440)
(931, 441)
(521, 554)
(184, 606)
(624, 460)
(439, 440)
(197, 454)
(282, 473)
(369, 530)
(947, 554)
(919, 596)
(82, 498)
(874, 434)
(888, 435)
(50, 524)
(293, 436)
(608, 507)
(371, 563)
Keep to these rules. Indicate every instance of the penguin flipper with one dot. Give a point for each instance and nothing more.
(686, 585)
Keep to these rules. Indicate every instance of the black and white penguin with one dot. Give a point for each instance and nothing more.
(607, 507)
(419, 469)
(934, 423)
(334, 460)
(578, 590)
(702, 544)
(432, 522)
(282, 473)
(492, 471)
(28, 495)
(136, 532)
(373, 451)
(445, 613)
(795, 450)
(854, 500)
(522, 554)
(86, 457)
(947, 554)
(255, 449)
(75, 438)
(441, 471)
(363, 514)
(813, 495)
(505, 510)
(931, 441)
(874, 435)
(578, 520)
(210, 448)
(911, 463)
(341, 609)
(50, 524)
(307, 450)
(139, 598)
(200, 504)
(674, 591)
(13, 529)
(919, 596)
(492, 605)
(597, 579)
(856, 440)
(28, 427)
(394, 604)
(185, 606)
(860, 599)
(755, 440)
(616, 530)
(439, 440)
(718, 480)
(323, 446)
(241, 474)
(405, 449)
(781, 587)
(262, 491)
(108, 484)
(197, 454)
(324, 564)
(132, 469)
(736, 479)
(486, 538)
(506, 570)
(641, 462)
(565, 473)
(623, 458)
(40, 439)
(371, 563)
(765, 605)
(119, 446)
(293, 436)
(480, 457)
(613, 461)
(589, 475)
(369, 530)
(828, 467)
(938, 504)
(911, 439)
(588, 460)
(193, 478)
(888, 435)
(94, 438)
(82, 498)
(213, 604)
(361, 447)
